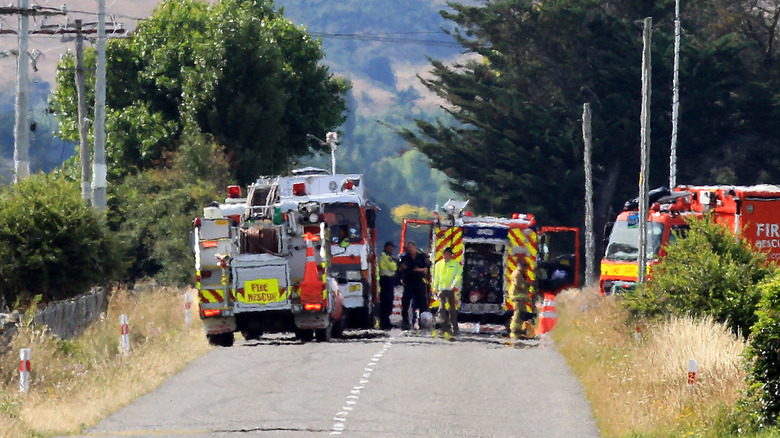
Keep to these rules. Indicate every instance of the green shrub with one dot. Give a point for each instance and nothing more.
(763, 357)
(52, 244)
(708, 273)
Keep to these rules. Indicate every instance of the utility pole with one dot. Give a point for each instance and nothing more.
(99, 169)
(22, 125)
(645, 148)
(81, 91)
(675, 98)
(589, 242)
(22, 105)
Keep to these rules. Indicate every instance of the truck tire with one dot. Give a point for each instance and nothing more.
(324, 335)
(221, 339)
(304, 335)
(339, 326)
(251, 335)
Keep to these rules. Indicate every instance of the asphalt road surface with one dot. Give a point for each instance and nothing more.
(371, 384)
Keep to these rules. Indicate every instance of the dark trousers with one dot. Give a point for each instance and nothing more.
(386, 286)
(416, 291)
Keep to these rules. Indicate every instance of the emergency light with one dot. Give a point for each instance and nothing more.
(233, 191)
(299, 189)
(313, 307)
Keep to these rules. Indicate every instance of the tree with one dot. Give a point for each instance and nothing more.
(237, 70)
(516, 103)
(152, 210)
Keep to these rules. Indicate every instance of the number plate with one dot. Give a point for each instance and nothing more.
(261, 291)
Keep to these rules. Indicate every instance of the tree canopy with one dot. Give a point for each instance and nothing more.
(516, 140)
(237, 70)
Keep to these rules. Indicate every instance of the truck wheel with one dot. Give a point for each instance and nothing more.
(251, 335)
(304, 335)
(221, 339)
(339, 326)
(323, 335)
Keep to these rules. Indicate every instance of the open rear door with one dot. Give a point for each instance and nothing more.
(558, 265)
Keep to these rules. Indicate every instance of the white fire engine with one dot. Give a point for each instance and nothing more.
(296, 254)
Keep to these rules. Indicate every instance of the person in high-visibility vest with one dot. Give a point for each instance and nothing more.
(519, 293)
(387, 281)
(448, 275)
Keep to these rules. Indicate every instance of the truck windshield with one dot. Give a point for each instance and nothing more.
(624, 240)
(344, 221)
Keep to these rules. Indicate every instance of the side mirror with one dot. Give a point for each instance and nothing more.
(371, 218)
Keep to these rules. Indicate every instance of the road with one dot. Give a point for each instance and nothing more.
(372, 384)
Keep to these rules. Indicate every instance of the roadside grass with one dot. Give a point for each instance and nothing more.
(75, 383)
(639, 388)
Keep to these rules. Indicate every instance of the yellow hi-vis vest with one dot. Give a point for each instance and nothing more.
(447, 275)
(387, 266)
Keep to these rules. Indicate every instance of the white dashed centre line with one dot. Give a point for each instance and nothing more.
(354, 394)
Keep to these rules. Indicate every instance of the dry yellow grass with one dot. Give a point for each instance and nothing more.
(76, 383)
(640, 388)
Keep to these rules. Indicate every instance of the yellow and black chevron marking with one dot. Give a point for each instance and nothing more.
(526, 238)
(211, 296)
(449, 237)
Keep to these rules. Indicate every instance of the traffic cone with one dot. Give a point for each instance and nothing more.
(312, 286)
(548, 316)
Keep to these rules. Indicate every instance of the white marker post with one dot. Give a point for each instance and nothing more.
(187, 312)
(124, 340)
(24, 370)
(637, 335)
(692, 368)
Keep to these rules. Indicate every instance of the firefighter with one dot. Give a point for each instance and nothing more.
(521, 325)
(387, 282)
(414, 268)
(448, 275)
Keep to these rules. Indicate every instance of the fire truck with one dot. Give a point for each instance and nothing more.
(752, 212)
(296, 254)
(488, 248)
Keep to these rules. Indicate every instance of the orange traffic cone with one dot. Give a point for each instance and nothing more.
(312, 286)
(548, 316)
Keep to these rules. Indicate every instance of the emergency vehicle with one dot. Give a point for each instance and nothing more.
(295, 254)
(752, 212)
(488, 248)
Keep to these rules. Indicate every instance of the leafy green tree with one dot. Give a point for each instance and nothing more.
(237, 70)
(515, 141)
(408, 211)
(710, 272)
(52, 245)
(153, 210)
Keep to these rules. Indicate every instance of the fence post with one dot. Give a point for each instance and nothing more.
(24, 370)
(187, 311)
(124, 340)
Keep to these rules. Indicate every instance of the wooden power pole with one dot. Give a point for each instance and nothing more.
(644, 171)
(81, 91)
(587, 138)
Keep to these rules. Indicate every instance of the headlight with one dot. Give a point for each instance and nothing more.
(354, 275)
